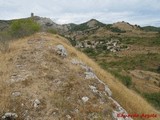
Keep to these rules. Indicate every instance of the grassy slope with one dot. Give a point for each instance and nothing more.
(143, 54)
(127, 98)
(130, 100)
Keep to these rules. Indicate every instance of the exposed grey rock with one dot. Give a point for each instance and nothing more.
(61, 50)
(119, 110)
(9, 116)
(76, 110)
(47, 23)
(68, 117)
(19, 77)
(108, 90)
(28, 118)
(90, 75)
(16, 94)
(76, 62)
(93, 88)
(85, 99)
(36, 103)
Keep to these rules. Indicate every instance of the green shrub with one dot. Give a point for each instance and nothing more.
(139, 61)
(90, 51)
(158, 69)
(114, 29)
(126, 80)
(53, 31)
(4, 41)
(153, 98)
(80, 27)
(117, 30)
(24, 27)
(72, 41)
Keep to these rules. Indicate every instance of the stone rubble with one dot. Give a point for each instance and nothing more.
(90, 75)
(9, 116)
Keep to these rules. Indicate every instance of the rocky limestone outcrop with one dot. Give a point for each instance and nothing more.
(47, 23)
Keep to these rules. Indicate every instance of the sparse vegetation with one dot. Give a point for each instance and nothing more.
(125, 79)
(151, 28)
(90, 51)
(80, 27)
(141, 61)
(153, 98)
(52, 31)
(114, 29)
(117, 30)
(143, 41)
(158, 69)
(4, 41)
(4, 46)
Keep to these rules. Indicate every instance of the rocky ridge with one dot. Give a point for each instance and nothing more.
(49, 82)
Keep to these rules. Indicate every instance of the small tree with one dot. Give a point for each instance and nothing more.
(24, 27)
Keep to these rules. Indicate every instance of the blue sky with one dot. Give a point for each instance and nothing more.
(141, 12)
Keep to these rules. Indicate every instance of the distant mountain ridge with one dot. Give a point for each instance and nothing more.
(151, 28)
(47, 23)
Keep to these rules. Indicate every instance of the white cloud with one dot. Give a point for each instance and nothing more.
(66, 11)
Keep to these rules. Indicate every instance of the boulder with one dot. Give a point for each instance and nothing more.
(9, 116)
(90, 75)
(108, 91)
(61, 50)
(85, 99)
(16, 94)
(36, 103)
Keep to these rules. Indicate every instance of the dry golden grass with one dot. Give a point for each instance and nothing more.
(4, 88)
(131, 101)
(6, 68)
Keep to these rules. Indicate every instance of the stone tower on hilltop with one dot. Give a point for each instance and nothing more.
(32, 14)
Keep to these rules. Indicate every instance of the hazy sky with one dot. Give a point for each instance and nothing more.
(142, 12)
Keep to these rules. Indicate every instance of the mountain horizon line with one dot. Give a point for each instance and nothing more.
(121, 21)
